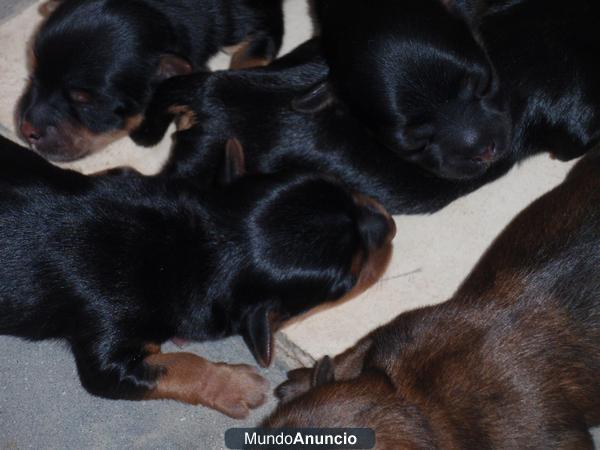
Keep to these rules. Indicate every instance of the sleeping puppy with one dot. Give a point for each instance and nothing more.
(118, 264)
(511, 361)
(414, 73)
(96, 63)
(546, 56)
(267, 109)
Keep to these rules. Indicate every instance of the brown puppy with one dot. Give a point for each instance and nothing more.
(511, 361)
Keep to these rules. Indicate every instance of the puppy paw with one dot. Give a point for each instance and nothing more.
(241, 389)
(298, 382)
(231, 389)
(146, 135)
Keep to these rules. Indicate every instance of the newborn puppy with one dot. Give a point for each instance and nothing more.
(511, 361)
(269, 110)
(118, 264)
(415, 74)
(546, 55)
(96, 63)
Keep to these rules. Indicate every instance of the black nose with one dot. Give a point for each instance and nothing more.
(376, 226)
(30, 133)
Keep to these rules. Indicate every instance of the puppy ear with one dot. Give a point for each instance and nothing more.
(49, 7)
(171, 65)
(315, 100)
(258, 334)
(323, 372)
(234, 165)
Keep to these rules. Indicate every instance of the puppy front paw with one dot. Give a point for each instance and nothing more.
(146, 135)
(231, 389)
(241, 389)
(298, 382)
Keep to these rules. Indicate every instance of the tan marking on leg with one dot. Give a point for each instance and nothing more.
(186, 117)
(151, 348)
(47, 8)
(240, 59)
(132, 122)
(230, 389)
(231, 49)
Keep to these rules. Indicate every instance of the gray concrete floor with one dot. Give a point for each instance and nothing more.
(43, 406)
(9, 8)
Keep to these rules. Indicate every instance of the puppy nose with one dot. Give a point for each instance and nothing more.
(29, 132)
(377, 227)
(488, 154)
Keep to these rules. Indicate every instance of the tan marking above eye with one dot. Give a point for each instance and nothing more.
(80, 96)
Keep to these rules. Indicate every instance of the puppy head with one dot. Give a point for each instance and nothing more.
(301, 240)
(423, 84)
(94, 65)
(367, 401)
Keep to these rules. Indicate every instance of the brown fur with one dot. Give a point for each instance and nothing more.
(369, 270)
(188, 378)
(77, 141)
(241, 60)
(48, 7)
(511, 361)
(82, 138)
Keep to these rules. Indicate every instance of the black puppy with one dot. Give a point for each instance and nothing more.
(118, 264)
(267, 110)
(416, 75)
(96, 63)
(546, 56)
(400, 65)
(511, 361)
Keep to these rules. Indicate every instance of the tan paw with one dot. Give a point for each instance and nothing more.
(241, 389)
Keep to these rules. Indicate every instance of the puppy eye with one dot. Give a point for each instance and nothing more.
(80, 96)
(422, 133)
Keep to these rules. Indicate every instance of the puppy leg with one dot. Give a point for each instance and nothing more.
(110, 369)
(346, 366)
(264, 42)
(230, 389)
(145, 373)
(171, 99)
(258, 51)
(249, 54)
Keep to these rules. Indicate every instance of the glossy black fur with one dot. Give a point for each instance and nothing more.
(261, 108)
(546, 56)
(97, 62)
(417, 76)
(114, 262)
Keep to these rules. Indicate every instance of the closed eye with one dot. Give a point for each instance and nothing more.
(419, 135)
(483, 86)
(80, 96)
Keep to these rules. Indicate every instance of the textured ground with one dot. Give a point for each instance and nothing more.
(43, 406)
